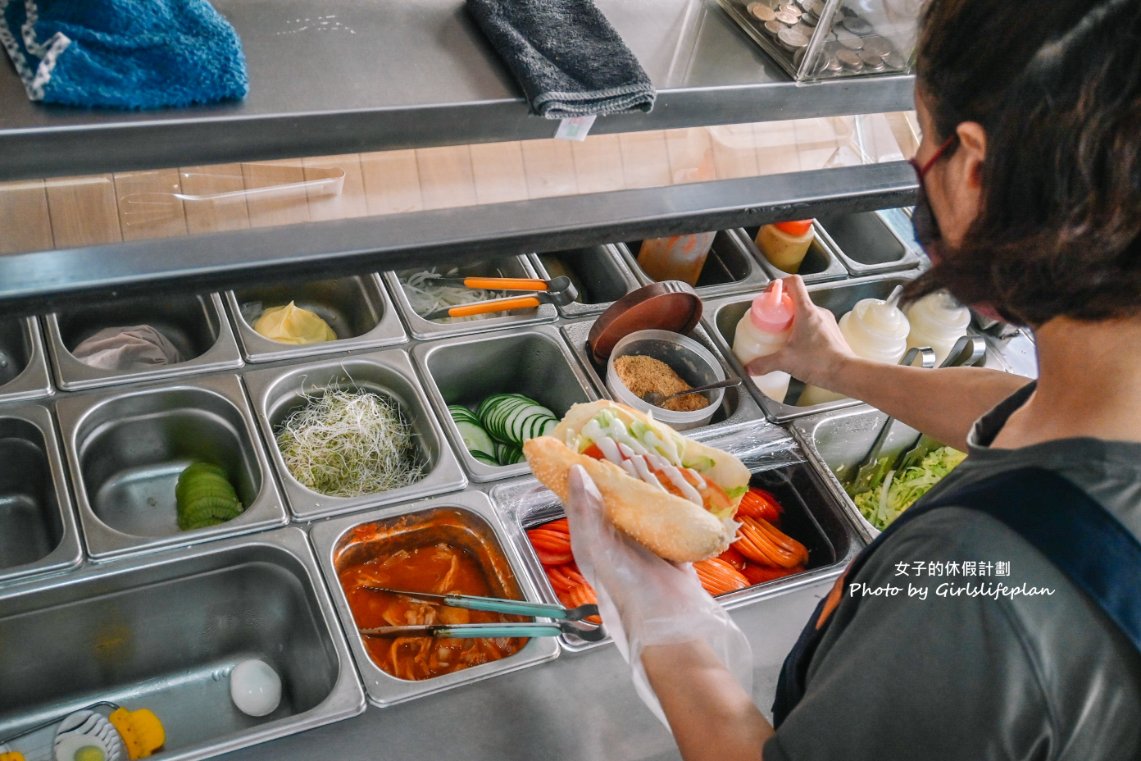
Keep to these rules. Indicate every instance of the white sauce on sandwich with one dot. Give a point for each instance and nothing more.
(635, 458)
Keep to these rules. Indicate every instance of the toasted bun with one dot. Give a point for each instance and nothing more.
(671, 527)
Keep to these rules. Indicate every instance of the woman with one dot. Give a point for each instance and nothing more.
(1030, 205)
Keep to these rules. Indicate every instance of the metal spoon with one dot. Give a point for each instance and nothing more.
(656, 399)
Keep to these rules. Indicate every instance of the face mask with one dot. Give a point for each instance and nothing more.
(923, 221)
(925, 227)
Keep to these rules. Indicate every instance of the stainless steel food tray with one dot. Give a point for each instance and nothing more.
(867, 242)
(721, 318)
(535, 362)
(729, 268)
(837, 442)
(356, 308)
(278, 391)
(820, 265)
(23, 360)
(196, 325)
(600, 271)
(510, 266)
(813, 515)
(163, 631)
(38, 532)
(382, 688)
(126, 448)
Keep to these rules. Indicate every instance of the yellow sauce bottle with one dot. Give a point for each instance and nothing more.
(785, 244)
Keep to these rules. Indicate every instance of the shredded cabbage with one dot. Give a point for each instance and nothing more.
(885, 501)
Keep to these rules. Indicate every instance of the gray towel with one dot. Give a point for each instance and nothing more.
(565, 54)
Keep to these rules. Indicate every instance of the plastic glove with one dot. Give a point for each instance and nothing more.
(645, 600)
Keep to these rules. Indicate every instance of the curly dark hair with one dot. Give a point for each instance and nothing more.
(1057, 87)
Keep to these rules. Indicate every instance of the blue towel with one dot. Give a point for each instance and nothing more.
(123, 53)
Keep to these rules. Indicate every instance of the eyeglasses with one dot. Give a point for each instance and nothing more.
(922, 170)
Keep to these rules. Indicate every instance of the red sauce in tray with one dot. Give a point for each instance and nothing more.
(439, 568)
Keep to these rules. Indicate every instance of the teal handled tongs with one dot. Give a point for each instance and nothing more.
(563, 620)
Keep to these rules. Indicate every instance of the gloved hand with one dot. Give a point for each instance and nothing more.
(645, 600)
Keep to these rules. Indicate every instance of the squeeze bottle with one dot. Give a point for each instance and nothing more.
(678, 257)
(785, 244)
(875, 329)
(937, 320)
(763, 330)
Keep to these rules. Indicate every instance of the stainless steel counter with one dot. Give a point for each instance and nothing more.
(352, 75)
(579, 707)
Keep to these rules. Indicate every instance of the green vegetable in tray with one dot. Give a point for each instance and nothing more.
(514, 418)
(495, 433)
(205, 497)
(350, 443)
(887, 499)
(474, 437)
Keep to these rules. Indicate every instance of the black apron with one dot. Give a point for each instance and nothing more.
(1091, 547)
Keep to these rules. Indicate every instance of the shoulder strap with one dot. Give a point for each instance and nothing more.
(1079, 536)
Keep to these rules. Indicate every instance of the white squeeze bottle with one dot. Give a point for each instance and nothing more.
(937, 320)
(763, 330)
(875, 329)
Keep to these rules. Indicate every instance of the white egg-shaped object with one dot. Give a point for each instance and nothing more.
(255, 688)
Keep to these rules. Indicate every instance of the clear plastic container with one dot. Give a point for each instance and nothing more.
(689, 359)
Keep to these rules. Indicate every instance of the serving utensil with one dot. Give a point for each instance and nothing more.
(871, 466)
(564, 620)
(656, 399)
(559, 291)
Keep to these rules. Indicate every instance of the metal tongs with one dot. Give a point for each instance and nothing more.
(559, 291)
(564, 620)
(967, 351)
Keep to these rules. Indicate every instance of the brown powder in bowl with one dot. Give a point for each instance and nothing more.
(643, 375)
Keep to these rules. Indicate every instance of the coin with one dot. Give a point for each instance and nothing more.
(895, 61)
(805, 29)
(876, 45)
(830, 64)
(815, 6)
(792, 39)
(849, 40)
(810, 19)
(871, 61)
(787, 17)
(798, 57)
(831, 48)
(857, 25)
(761, 12)
(850, 59)
(774, 27)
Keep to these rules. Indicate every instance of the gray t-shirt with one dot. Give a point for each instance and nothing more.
(952, 676)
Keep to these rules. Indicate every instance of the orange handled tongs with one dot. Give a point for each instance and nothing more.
(559, 290)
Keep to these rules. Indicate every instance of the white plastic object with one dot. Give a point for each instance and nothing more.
(937, 320)
(875, 329)
(255, 688)
(765, 329)
(682, 354)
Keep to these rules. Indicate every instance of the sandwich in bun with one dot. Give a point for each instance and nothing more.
(673, 495)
